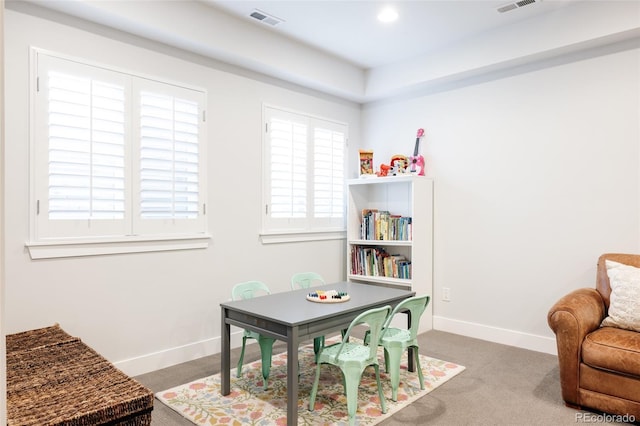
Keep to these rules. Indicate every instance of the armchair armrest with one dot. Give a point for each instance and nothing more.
(571, 318)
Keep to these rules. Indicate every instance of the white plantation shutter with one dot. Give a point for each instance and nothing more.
(304, 159)
(328, 173)
(288, 169)
(86, 148)
(115, 155)
(80, 152)
(168, 157)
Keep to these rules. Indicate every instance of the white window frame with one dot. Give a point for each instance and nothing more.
(127, 236)
(307, 228)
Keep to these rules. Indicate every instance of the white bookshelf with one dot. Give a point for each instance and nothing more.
(408, 196)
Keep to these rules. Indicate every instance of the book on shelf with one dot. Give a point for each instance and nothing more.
(377, 262)
(382, 225)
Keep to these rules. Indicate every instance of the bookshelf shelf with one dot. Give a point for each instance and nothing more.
(380, 243)
(393, 282)
(384, 261)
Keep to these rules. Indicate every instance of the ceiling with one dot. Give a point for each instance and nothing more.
(349, 29)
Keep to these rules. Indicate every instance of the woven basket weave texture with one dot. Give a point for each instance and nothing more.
(56, 379)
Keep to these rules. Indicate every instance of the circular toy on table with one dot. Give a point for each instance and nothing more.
(328, 296)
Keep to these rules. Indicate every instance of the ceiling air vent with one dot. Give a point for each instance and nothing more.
(511, 6)
(265, 18)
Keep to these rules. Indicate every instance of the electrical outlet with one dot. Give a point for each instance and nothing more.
(446, 294)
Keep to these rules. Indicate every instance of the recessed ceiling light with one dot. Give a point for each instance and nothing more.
(388, 14)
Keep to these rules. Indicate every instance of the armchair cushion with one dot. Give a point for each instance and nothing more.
(613, 349)
(624, 307)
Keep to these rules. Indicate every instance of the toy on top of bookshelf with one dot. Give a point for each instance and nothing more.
(398, 165)
(417, 160)
(366, 163)
(384, 170)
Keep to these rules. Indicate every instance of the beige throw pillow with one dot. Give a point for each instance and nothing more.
(624, 307)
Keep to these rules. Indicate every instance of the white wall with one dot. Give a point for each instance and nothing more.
(536, 175)
(146, 311)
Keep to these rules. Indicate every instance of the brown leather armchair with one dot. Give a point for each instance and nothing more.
(599, 366)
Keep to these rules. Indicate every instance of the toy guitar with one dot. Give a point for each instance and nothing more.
(417, 160)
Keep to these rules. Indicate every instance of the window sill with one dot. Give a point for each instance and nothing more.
(96, 247)
(296, 237)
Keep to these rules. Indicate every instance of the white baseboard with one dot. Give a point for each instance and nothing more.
(497, 335)
(177, 355)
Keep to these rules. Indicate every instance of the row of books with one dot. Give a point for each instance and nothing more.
(376, 262)
(382, 225)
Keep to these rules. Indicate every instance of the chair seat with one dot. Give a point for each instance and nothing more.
(607, 346)
(350, 352)
(397, 335)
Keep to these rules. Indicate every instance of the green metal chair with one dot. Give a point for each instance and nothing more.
(248, 290)
(305, 280)
(396, 340)
(353, 358)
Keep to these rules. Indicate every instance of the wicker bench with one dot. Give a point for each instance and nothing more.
(55, 379)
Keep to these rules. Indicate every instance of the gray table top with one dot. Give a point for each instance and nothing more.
(291, 308)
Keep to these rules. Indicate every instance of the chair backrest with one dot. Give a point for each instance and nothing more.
(305, 279)
(602, 279)
(416, 305)
(249, 289)
(374, 319)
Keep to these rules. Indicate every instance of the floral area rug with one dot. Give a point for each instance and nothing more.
(248, 404)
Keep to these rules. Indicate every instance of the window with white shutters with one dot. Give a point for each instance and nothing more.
(116, 156)
(304, 161)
